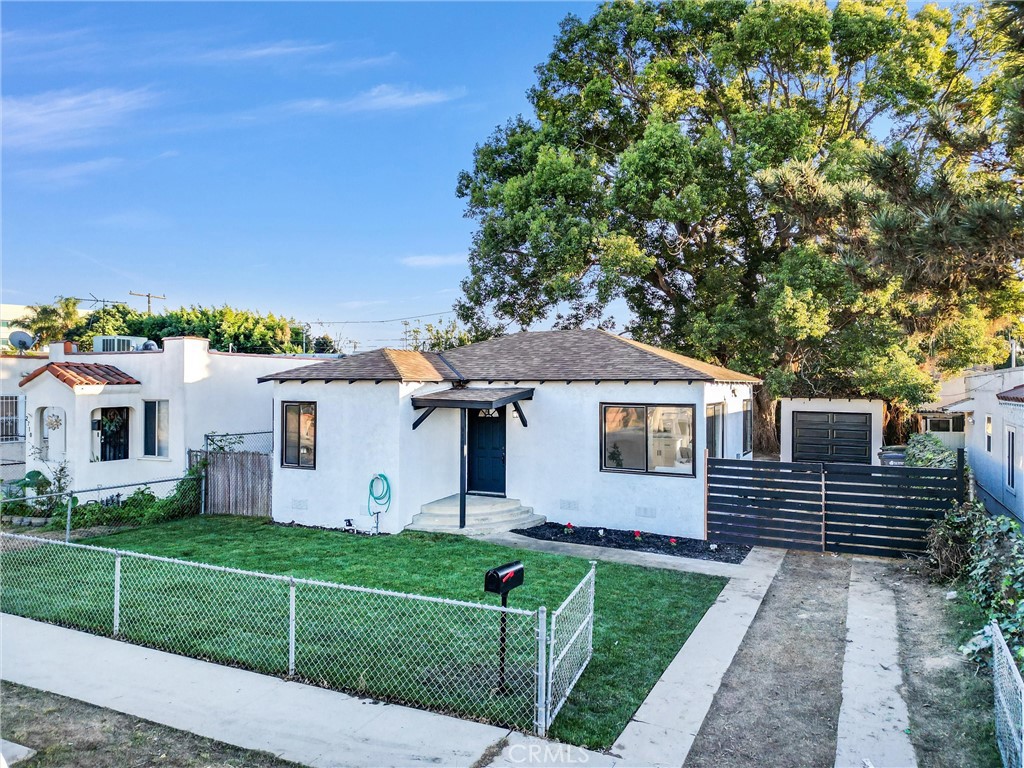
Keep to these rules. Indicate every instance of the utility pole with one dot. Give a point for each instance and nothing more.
(149, 300)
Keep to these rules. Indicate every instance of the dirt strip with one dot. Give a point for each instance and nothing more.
(779, 702)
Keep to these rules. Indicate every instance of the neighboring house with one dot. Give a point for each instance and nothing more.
(13, 417)
(8, 314)
(121, 417)
(845, 430)
(579, 426)
(993, 411)
(936, 418)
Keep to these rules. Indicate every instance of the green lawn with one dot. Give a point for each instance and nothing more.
(643, 616)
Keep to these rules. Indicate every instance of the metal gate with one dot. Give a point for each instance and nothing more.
(828, 507)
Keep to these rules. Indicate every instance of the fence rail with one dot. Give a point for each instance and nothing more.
(425, 651)
(827, 507)
(1009, 701)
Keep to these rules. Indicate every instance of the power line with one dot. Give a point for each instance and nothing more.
(392, 320)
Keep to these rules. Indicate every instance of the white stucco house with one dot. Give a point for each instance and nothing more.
(992, 407)
(132, 416)
(577, 426)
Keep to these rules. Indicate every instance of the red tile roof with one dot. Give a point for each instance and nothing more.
(75, 374)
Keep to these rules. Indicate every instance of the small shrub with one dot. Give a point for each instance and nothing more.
(926, 450)
(950, 540)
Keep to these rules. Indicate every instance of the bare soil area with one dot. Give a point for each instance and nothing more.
(949, 696)
(71, 734)
(778, 704)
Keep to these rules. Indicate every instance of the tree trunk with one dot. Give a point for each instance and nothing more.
(766, 435)
(897, 425)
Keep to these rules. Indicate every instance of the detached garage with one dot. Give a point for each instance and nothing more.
(824, 429)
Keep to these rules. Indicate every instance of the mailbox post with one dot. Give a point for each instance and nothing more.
(501, 581)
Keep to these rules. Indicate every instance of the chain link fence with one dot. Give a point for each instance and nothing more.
(571, 642)
(88, 512)
(1009, 701)
(239, 442)
(438, 654)
(11, 470)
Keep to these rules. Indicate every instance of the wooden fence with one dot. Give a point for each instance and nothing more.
(828, 507)
(237, 482)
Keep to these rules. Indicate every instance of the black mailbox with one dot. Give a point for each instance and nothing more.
(504, 578)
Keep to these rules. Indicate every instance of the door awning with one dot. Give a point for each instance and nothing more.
(473, 398)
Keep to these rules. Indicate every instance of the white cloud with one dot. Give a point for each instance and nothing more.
(434, 261)
(59, 119)
(70, 174)
(343, 66)
(265, 51)
(378, 99)
(132, 219)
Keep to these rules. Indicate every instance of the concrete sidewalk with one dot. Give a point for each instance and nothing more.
(297, 722)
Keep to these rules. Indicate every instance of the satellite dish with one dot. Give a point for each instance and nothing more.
(22, 341)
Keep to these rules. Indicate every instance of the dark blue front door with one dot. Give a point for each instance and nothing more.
(486, 444)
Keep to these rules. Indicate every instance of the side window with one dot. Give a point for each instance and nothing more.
(988, 434)
(748, 426)
(154, 441)
(298, 435)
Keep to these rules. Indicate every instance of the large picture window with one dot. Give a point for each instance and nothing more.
(298, 435)
(652, 439)
(154, 442)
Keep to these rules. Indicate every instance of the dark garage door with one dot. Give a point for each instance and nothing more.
(819, 436)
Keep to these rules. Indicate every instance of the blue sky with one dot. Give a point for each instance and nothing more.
(294, 158)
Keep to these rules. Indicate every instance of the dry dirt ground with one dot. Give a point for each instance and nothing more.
(71, 734)
(949, 697)
(778, 704)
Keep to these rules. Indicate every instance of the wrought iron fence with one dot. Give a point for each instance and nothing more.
(571, 642)
(429, 652)
(1009, 701)
(12, 418)
(85, 512)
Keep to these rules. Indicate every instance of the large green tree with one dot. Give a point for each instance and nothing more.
(227, 328)
(816, 194)
(51, 322)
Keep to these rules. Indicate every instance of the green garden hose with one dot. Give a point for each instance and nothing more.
(381, 498)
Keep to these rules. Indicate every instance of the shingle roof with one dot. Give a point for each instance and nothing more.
(377, 365)
(572, 355)
(76, 374)
(579, 355)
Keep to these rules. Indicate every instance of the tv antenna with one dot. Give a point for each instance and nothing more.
(93, 301)
(149, 300)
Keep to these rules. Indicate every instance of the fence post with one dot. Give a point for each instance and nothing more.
(291, 627)
(67, 525)
(822, 470)
(960, 490)
(593, 589)
(540, 724)
(117, 594)
(202, 489)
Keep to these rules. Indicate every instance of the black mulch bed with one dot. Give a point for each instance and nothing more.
(649, 542)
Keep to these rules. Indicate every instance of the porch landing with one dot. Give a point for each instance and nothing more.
(484, 514)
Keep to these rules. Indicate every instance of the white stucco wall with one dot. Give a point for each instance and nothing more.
(205, 391)
(990, 466)
(830, 405)
(357, 436)
(553, 465)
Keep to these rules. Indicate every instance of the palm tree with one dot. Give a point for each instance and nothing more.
(51, 322)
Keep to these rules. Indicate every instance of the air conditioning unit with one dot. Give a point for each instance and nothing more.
(118, 343)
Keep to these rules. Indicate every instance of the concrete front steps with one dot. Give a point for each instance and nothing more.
(484, 514)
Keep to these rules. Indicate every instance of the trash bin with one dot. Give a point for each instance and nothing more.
(893, 455)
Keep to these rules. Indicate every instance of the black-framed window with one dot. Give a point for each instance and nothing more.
(748, 426)
(988, 434)
(298, 435)
(715, 429)
(154, 428)
(648, 438)
(1011, 459)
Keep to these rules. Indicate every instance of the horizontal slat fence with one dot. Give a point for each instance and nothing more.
(765, 503)
(828, 507)
(884, 511)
